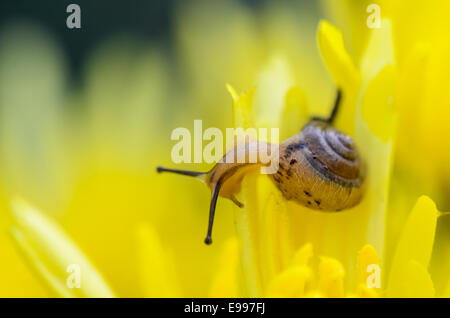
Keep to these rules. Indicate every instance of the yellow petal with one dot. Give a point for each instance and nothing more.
(51, 281)
(52, 254)
(367, 256)
(233, 93)
(343, 71)
(295, 113)
(369, 272)
(446, 293)
(415, 243)
(379, 52)
(331, 278)
(440, 259)
(428, 19)
(376, 152)
(155, 266)
(336, 57)
(351, 16)
(377, 104)
(365, 292)
(248, 229)
(226, 280)
(290, 283)
(412, 107)
(273, 82)
(413, 282)
(263, 228)
(262, 225)
(303, 255)
(275, 249)
(242, 107)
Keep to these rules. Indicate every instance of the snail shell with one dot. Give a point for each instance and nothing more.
(320, 168)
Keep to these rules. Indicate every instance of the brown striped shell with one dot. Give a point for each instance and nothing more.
(320, 168)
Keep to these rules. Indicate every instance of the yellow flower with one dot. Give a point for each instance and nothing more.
(420, 165)
(66, 271)
(87, 157)
(53, 256)
(271, 228)
(408, 276)
(278, 236)
(159, 277)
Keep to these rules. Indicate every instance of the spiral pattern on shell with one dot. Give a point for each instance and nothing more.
(332, 153)
(320, 168)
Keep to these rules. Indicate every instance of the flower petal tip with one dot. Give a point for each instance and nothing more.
(336, 57)
(232, 92)
(425, 203)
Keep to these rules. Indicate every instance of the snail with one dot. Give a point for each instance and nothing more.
(319, 168)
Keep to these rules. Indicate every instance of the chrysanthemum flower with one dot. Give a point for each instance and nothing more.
(53, 256)
(279, 237)
(420, 162)
(282, 249)
(423, 102)
(273, 229)
(86, 159)
(65, 271)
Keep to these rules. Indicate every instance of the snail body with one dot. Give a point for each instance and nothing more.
(319, 168)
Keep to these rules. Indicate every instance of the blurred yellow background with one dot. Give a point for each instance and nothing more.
(84, 152)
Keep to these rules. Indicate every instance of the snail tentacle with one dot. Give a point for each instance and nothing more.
(212, 211)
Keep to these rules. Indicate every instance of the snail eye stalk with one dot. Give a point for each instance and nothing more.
(215, 195)
(337, 103)
(212, 211)
(182, 172)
